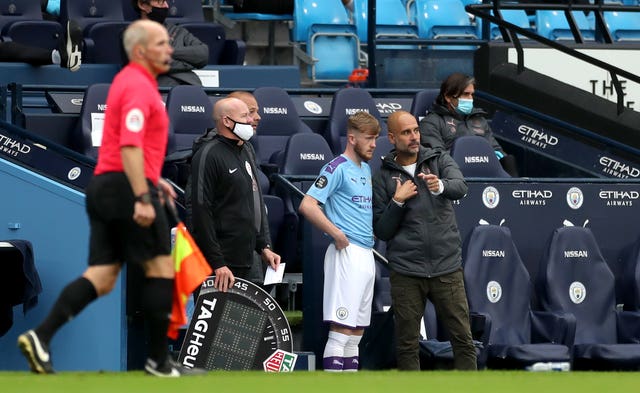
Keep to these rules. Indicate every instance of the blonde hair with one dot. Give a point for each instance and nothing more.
(363, 122)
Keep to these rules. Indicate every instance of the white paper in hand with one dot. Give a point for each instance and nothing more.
(274, 276)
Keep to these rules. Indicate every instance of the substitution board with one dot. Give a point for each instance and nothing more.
(236, 330)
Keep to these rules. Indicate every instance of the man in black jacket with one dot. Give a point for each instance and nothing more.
(413, 213)
(227, 208)
(189, 53)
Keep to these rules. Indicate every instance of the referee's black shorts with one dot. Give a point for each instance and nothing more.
(115, 237)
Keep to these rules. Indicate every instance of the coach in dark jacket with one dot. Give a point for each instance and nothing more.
(413, 213)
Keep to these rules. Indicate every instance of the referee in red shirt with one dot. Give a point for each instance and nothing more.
(125, 205)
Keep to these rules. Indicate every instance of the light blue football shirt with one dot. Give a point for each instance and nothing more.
(345, 190)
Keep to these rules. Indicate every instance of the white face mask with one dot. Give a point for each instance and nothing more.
(244, 131)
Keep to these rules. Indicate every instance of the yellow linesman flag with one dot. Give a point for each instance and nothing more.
(191, 270)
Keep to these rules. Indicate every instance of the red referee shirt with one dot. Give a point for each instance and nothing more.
(135, 116)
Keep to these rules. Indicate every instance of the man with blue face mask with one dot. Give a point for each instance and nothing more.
(189, 53)
(226, 202)
(453, 114)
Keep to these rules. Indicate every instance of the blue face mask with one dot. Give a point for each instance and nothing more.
(465, 105)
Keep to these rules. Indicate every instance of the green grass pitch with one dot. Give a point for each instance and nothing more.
(304, 382)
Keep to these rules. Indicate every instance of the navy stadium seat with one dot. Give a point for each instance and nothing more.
(265, 184)
(382, 287)
(476, 158)
(422, 101)
(102, 24)
(21, 21)
(574, 277)
(189, 14)
(628, 279)
(88, 136)
(271, 19)
(345, 103)
(190, 115)
(383, 147)
(499, 287)
(279, 120)
(304, 154)
(283, 226)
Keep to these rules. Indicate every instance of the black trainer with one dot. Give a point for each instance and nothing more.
(171, 369)
(71, 51)
(36, 352)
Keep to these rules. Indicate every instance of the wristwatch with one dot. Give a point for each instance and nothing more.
(144, 198)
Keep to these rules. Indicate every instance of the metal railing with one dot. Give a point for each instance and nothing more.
(510, 33)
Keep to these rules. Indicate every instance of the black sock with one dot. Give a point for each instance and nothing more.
(73, 299)
(157, 299)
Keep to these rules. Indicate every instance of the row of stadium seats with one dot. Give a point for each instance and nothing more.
(578, 321)
(102, 22)
(190, 113)
(329, 39)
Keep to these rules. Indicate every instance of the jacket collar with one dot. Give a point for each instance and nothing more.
(424, 154)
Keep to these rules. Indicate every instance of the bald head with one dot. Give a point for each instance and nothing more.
(252, 104)
(397, 121)
(227, 112)
(404, 134)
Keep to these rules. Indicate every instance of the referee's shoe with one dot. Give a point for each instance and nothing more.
(170, 369)
(36, 352)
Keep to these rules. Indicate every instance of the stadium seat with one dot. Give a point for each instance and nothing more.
(304, 154)
(476, 157)
(422, 101)
(444, 19)
(270, 19)
(383, 147)
(88, 136)
(381, 287)
(279, 120)
(516, 17)
(436, 351)
(391, 20)
(628, 279)
(189, 14)
(102, 25)
(190, 116)
(21, 21)
(574, 277)
(332, 44)
(345, 103)
(498, 286)
(624, 26)
(283, 227)
(128, 12)
(554, 26)
(263, 180)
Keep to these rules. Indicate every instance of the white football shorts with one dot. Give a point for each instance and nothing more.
(349, 275)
